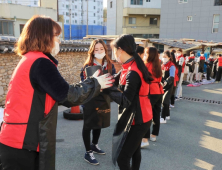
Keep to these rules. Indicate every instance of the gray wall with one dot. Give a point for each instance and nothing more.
(174, 22)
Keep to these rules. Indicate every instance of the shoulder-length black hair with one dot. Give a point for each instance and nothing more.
(127, 44)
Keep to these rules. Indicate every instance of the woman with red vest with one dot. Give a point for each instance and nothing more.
(181, 64)
(156, 92)
(190, 64)
(168, 69)
(135, 110)
(209, 63)
(97, 110)
(28, 132)
(176, 80)
(219, 68)
(201, 61)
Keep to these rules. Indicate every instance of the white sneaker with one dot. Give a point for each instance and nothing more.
(168, 118)
(153, 139)
(144, 144)
(162, 120)
(172, 106)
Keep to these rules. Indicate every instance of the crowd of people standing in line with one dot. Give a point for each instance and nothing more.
(145, 84)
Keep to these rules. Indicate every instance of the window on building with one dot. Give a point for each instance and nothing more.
(81, 6)
(153, 21)
(63, 5)
(94, 7)
(6, 28)
(132, 20)
(94, 21)
(35, 2)
(189, 18)
(159, 47)
(76, 21)
(216, 21)
(136, 2)
(67, 21)
(111, 4)
(72, 1)
(217, 2)
(67, 14)
(94, 14)
(182, 1)
(94, 0)
(75, 14)
(67, 6)
(81, 14)
(75, 6)
(147, 0)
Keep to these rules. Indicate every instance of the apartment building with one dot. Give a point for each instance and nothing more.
(195, 19)
(140, 18)
(75, 11)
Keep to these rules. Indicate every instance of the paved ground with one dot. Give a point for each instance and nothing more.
(191, 140)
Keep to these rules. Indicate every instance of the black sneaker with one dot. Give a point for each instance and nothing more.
(96, 149)
(89, 157)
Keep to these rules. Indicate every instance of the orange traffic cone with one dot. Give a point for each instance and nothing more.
(75, 109)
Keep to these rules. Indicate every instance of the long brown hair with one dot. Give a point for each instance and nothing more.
(89, 60)
(38, 35)
(153, 58)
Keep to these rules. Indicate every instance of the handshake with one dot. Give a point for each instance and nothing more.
(105, 80)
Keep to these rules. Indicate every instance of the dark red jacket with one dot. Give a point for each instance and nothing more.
(155, 86)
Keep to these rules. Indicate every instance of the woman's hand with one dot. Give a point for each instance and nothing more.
(105, 80)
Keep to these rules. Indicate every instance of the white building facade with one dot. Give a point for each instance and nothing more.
(119, 12)
(33, 3)
(75, 11)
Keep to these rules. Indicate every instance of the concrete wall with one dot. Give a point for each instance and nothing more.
(174, 22)
(111, 18)
(25, 12)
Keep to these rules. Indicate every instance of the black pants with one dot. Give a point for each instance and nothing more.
(215, 72)
(209, 69)
(131, 147)
(173, 95)
(86, 137)
(156, 101)
(18, 159)
(219, 72)
(165, 111)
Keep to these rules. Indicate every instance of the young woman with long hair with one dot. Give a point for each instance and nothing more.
(97, 110)
(135, 108)
(168, 69)
(176, 79)
(181, 65)
(153, 65)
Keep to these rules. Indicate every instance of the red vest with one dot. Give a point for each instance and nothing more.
(166, 69)
(202, 58)
(176, 78)
(183, 65)
(220, 62)
(145, 105)
(21, 109)
(191, 58)
(155, 86)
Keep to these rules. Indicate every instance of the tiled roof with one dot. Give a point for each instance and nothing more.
(7, 45)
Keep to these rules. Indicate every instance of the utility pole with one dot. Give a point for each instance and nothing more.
(87, 31)
(70, 22)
